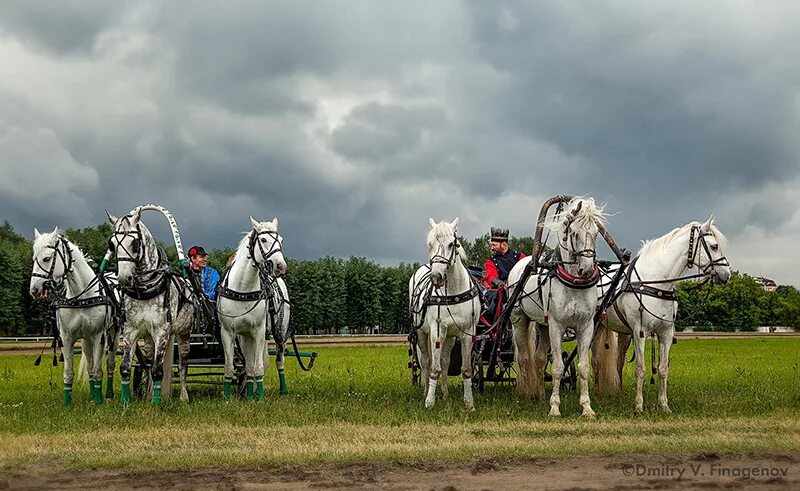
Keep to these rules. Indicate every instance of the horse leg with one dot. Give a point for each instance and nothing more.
(183, 363)
(162, 343)
(447, 351)
(260, 357)
(466, 370)
(111, 362)
(664, 344)
(604, 363)
(623, 343)
(250, 364)
(584, 341)
(87, 355)
(638, 347)
(128, 345)
(556, 333)
(228, 338)
(280, 364)
(435, 344)
(97, 368)
(540, 359)
(424, 354)
(66, 350)
(524, 353)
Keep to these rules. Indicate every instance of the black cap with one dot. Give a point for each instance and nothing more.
(197, 251)
(499, 235)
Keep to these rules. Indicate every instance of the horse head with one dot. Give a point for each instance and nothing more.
(577, 229)
(52, 260)
(443, 249)
(265, 247)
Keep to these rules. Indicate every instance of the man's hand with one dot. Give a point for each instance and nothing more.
(497, 283)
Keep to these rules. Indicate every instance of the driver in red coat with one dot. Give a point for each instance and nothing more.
(503, 259)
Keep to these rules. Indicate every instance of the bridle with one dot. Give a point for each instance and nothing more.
(694, 248)
(134, 255)
(440, 258)
(275, 248)
(571, 250)
(65, 254)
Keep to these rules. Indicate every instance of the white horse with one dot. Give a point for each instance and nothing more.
(564, 297)
(646, 303)
(159, 304)
(252, 301)
(83, 308)
(444, 305)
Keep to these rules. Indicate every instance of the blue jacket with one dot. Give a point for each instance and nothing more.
(208, 281)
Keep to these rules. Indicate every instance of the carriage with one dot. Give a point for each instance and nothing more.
(206, 357)
(492, 353)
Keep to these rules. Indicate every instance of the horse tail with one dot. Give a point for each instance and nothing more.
(604, 361)
(82, 375)
(166, 382)
(529, 379)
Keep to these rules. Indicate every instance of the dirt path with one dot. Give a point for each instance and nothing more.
(709, 471)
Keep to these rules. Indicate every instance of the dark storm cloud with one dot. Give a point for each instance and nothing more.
(354, 123)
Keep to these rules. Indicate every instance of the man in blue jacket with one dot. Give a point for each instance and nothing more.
(206, 275)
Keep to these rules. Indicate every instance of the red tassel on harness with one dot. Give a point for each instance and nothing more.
(438, 345)
(546, 319)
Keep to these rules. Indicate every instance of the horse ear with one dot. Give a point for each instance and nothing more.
(577, 209)
(136, 216)
(36, 233)
(55, 230)
(275, 222)
(454, 224)
(255, 223)
(707, 226)
(431, 222)
(111, 218)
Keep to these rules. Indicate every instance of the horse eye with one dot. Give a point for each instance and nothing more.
(263, 239)
(714, 247)
(46, 260)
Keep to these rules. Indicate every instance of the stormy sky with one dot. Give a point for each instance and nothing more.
(353, 122)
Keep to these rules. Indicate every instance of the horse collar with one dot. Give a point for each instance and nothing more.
(573, 281)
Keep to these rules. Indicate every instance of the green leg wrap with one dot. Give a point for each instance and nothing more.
(157, 393)
(249, 388)
(125, 396)
(67, 394)
(260, 388)
(282, 378)
(226, 389)
(110, 387)
(98, 392)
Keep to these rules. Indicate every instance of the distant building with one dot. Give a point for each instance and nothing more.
(768, 284)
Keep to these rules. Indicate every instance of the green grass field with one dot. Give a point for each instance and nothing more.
(727, 396)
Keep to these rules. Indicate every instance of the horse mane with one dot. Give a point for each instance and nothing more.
(589, 216)
(657, 245)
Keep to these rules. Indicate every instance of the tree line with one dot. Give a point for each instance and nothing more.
(330, 295)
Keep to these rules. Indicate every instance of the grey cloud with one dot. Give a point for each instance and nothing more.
(355, 123)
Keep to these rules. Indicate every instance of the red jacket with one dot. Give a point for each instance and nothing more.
(490, 270)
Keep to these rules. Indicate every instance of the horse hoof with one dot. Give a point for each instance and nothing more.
(666, 410)
(591, 415)
(554, 413)
(429, 404)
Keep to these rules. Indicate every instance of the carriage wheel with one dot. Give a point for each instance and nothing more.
(478, 379)
(570, 378)
(241, 384)
(141, 382)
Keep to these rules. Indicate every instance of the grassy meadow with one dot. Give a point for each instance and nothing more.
(727, 396)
